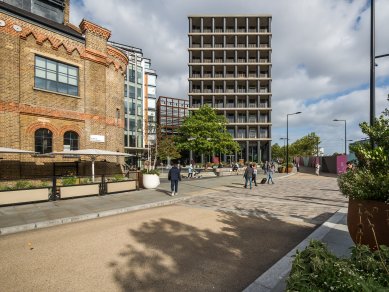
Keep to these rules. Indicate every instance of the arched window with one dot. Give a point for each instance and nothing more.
(70, 140)
(43, 141)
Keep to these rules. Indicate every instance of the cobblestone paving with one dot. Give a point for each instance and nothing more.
(303, 198)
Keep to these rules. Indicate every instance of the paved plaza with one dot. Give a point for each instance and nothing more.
(215, 235)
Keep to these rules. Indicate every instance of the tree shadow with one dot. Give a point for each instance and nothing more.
(173, 256)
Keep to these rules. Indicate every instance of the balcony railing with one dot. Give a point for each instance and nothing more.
(262, 135)
(196, 75)
(219, 105)
(230, 30)
(195, 45)
(241, 60)
(252, 45)
(263, 30)
(252, 30)
(241, 120)
(207, 90)
(231, 120)
(263, 75)
(207, 60)
(219, 90)
(218, 29)
(230, 45)
(241, 45)
(262, 120)
(263, 61)
(241, 105)
(252, 90)
(230, 60)
(241, 90)
(230, 90)
(207, 30)
(218, 45)
(230, 75)
(196, 105)
(252, 136)
(252, 105)
(196, 90)
(252, 120)
(263, 105)
(207, 45)
(195, 60)
(264, 45)
(218, 75)
(230, 105)
(263, 90)
(207, 75)
(219, 60)
(196, 30)
(241, 135)
(252, 75)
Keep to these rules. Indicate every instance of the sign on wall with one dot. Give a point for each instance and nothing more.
(97, 138)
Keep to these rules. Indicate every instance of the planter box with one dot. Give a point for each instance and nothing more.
(121, 186)
(22, 196)
(150, 181)
(79, 191)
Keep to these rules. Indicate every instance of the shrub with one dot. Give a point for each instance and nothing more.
(150, 171)
(316, 269)
(118, 177)
(370, 180)
(22, 184)
(68, 181)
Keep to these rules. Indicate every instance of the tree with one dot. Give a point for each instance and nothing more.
(305, 146)
(277, 151)
(167, 148)
(205, 132)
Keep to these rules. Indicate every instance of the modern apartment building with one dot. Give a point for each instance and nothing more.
(230, 70)
(170, 114)
(140, 82)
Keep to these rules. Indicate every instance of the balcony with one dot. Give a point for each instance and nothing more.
(219, 90)
(241, 120)
(218, 45)
(263, 75)
(263, 30)
(252, 120)
(195, 45)
(263, 135)
(252, 75)
(196, 30)
(252, 60)
(252, 45)
(207, 90)
(230, 60)
(252, 30)
(252, 136)
(241, 45)
(252, 90)
(263, 90)
(196, 105)
(230, 90)
(241, 135)
(241, 90)
(230, 105)
(264, 45)
(207, 45)
(195, 60)
(218, 29)
(219, 60)
(230, 45)
(230, 76)
(207, 60)
(207, 29)
(262, 120)
(252, 105)
(219, 105)
(263, 105)
(207, 75)
(241, 105)
(196, 75)
(195, 90)
(218, 75)
(241, 60)
(228, 29)
(231, 120)
(263, 61)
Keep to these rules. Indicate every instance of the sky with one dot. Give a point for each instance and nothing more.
(320, 55)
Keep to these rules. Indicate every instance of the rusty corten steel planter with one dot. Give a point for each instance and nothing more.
(368, 222)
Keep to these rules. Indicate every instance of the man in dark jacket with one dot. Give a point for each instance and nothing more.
(174, 176)
(248, 175)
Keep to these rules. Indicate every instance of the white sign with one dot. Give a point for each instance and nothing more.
(97, 138)
(66, 147)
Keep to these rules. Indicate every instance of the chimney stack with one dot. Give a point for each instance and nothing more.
(66, 12)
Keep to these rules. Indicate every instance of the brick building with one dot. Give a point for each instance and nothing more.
(61, 88)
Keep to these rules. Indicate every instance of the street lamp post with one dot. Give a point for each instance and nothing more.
(284, 147)
(345, 134)
(287, 138)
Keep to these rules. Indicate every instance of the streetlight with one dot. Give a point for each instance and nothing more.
(287, 138)
(345, 134)
(284, 147)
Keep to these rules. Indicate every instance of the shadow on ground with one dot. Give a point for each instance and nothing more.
(172, 256)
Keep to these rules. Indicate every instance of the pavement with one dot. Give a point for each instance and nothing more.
(25, 217)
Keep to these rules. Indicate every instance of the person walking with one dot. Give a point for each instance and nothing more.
(255, 172)
(317, 169)
(174, 176)
(190, 171)
(270, 172)
(248, 175)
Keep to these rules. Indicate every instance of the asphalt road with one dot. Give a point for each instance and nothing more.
(221, 241)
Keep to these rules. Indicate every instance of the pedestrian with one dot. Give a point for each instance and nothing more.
(255, 172)
(298, 167)
(248, 175)
(270, 172)
(266, 167)
(174, 176)
(317, 168)
(190, 171)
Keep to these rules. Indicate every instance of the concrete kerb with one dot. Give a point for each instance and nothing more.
(280, 270)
